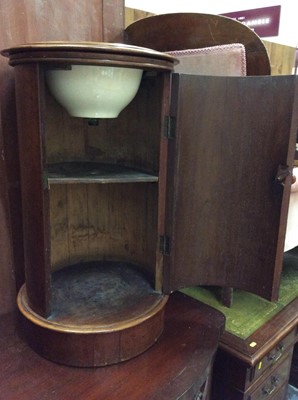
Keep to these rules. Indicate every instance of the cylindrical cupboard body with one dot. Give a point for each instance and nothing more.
(93, 207)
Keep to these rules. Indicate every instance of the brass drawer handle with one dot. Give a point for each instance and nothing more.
(267, 391)
(276, 356)
(198, 396)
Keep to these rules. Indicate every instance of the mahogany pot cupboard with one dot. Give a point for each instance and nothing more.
(90, 203)
(188, 186)
(167, 228)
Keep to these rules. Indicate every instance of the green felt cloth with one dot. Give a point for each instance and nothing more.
(249, 311)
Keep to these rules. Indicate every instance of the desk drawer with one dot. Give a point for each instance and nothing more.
(273, 356)
(281, 394)
(273, 384)
(294, 367)
(236, 373)
(267, 387)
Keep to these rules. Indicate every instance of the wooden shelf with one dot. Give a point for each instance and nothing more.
(93, 172)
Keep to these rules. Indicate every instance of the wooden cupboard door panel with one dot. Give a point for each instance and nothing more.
(226, 214)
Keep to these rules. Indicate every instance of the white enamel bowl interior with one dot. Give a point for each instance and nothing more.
(94, 91)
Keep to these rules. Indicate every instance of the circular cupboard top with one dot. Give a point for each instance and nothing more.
(90, 53)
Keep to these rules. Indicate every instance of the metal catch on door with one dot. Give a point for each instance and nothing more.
(282, 172)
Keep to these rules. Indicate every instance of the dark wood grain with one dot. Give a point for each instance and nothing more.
(30, 62)
(124, 216)
(272, 384)
(35, 199)
(102, 314)
(7, 285)
(34, 21)
(91, 172)
(101, 294)
(271, 332)
(180, 31)
(177, 364)
(294, 368)
(228, 217)
(244, 367)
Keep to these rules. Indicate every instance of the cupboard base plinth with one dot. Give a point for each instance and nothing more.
(102, 339)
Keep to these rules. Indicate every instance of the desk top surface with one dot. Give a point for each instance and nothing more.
(178, 363)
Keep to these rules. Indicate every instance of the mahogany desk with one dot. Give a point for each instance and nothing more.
(176, 367)
(257, 367)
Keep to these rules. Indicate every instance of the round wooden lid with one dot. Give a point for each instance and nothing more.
(95, 53)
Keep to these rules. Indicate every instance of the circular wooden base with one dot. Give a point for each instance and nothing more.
(101, 313)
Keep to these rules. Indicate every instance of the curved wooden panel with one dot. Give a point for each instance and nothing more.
(179, 31)
(227, 214)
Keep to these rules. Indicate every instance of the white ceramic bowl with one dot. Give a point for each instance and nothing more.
(94, 91)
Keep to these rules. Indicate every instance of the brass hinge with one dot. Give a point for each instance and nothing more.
(45, 181)
(164, 245)
(170, 127)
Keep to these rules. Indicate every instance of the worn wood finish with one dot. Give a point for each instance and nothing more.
(281, 394)
(294, 367)
(111, 24)
(90, 172)
(193, 30)
(177, 365)
(227, 152)
(56, 54)
(91, 222)
(261, 363)
(117, 292)
(162, 183)
(131, 15)
(72, 219)
(269, 334)
(110, 221)
(282, 58)
(129, 141)
(272, 385)
(34, 192)
(33, 21)
(7, 288)
(102, 313)
(39, 21)
(245, 377)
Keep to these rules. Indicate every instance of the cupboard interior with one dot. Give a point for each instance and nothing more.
(103, 183)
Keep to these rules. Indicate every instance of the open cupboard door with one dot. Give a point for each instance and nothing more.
(229, 181)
